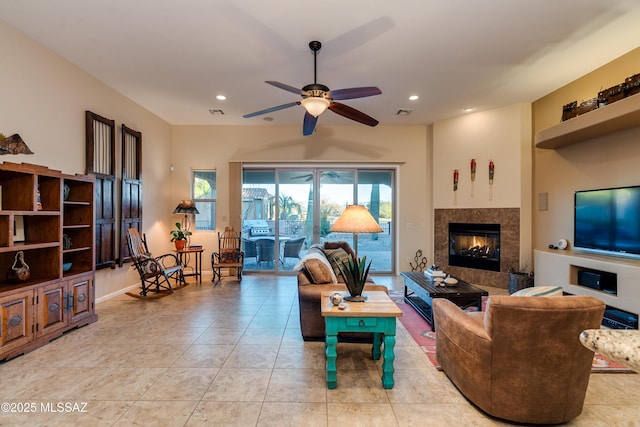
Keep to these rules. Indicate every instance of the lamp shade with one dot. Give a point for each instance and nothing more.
(315, 105)
(186, 207)
(356, 219)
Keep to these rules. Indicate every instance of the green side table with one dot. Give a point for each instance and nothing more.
(377, 315)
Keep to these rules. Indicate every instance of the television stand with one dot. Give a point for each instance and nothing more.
(611, 279)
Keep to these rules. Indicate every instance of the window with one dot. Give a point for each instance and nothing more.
(286, 203)
(203, 188)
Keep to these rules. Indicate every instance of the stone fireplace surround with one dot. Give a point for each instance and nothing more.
(509, 220)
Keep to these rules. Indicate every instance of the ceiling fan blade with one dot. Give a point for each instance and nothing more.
(308, 124)
(354, 92)
(272, 109)
(286, 87)
(352, 113)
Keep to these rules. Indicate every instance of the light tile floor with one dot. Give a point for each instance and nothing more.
(232, 355)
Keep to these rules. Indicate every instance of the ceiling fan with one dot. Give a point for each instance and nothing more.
(316, 98)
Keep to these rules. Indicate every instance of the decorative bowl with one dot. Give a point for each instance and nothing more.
(451, 281)
(66, 266)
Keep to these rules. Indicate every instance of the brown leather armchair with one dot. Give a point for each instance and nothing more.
(521, 359)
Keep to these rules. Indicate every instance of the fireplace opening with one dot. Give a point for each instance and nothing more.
(474, 246)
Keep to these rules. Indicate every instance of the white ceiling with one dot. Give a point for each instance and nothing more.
(174, 56)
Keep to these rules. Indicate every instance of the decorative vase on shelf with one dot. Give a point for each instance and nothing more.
(66, 241)
(65, 191)
(38, 199)
(19, 271)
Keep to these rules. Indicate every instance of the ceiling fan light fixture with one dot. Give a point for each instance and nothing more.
(315, 105)
(316, 98)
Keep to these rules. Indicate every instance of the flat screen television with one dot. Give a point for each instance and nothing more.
(608, 221)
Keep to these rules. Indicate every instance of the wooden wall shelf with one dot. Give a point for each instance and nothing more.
(51, 301)
(620, 115)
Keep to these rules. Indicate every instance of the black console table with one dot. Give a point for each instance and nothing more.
(420, 290)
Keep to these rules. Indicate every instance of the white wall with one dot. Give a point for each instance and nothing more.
(43, 98)
(608, 161)
(501, 135)
(406, 147)
(493, 135)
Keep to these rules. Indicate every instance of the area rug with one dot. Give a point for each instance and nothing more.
(422, 333)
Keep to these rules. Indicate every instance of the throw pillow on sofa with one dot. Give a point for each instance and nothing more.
(539, 291)
(336, 258)
(317, 269)
(340, 244)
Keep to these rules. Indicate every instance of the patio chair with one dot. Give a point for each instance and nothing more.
(292, 249)
(250, 250)
(155, 273)
(266, 250)
(229, 254)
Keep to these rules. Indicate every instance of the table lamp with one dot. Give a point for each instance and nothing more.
(188, 208)
(356, 219)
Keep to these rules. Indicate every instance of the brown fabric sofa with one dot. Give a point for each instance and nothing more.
(312, 283)
(521, 359)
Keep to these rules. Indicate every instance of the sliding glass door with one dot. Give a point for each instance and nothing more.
(285, 210)
(375, 191)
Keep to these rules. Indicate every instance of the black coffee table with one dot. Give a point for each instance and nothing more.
(420, 290)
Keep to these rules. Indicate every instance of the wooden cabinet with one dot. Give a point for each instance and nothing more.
(50, 308)
(49, 217)
(16, 312)
(77, 227)
(80, 298)
(63, 303)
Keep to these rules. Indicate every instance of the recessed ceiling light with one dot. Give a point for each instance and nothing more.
(414, 98)
(221, 97)
(468, 109)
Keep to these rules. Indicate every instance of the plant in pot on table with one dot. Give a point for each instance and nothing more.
(179, 236)
(355, 272)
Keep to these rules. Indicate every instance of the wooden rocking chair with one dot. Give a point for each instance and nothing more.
(229, 254)
(155, 273)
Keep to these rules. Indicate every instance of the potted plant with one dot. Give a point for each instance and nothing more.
(520, 278)
(355, 272)
(179, 236)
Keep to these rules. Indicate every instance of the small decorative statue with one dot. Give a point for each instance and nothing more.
(419, 260)
(66, 241)
(65, 191)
